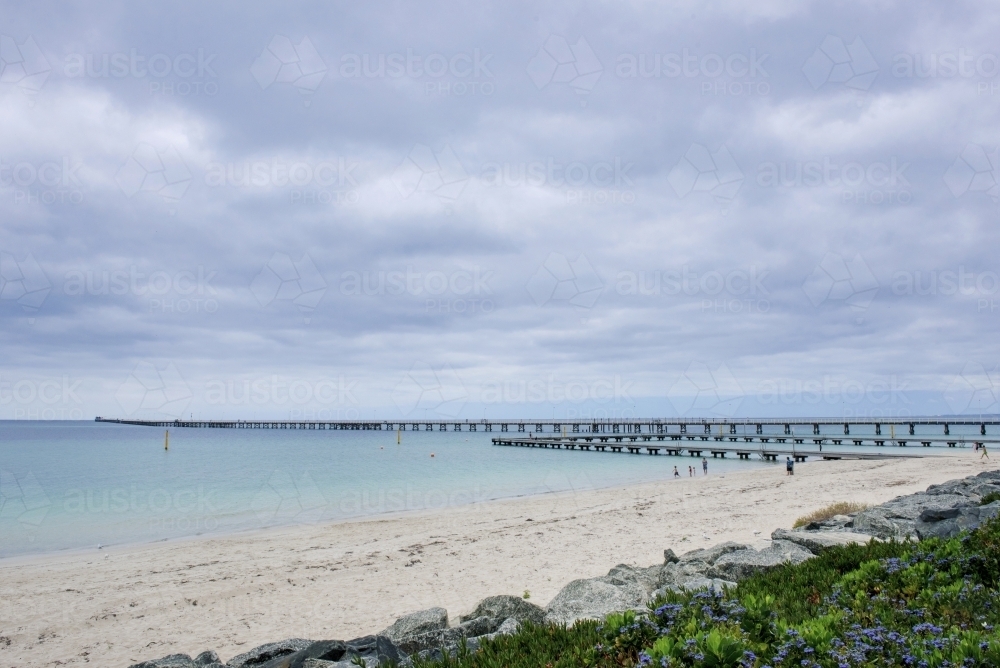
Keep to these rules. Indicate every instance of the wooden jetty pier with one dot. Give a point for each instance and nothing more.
(766, 449)
(908, 429)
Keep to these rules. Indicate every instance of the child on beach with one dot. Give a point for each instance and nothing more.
(984, 453)
(676, 473)
(789, 466)
(704, 466)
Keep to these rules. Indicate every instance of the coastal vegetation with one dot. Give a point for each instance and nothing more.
(932, 603)
(989, 498)
(839, 508)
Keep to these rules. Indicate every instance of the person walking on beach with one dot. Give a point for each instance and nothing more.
(789, 466)
(984, 455)
(704, 466)
(677, 473)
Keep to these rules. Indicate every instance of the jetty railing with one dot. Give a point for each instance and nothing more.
(910, 428)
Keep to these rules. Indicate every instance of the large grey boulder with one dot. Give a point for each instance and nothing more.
(973, 487)
(949, 522)
(687, 575)
(835, 523)
(595, 599)
(897, 518)
(502, 608)
(438, 653)
(623, 588)
(950, 504)
(741, 564)
(624, 575)
(172, 661)
(374, 650)
(207, 659)
(407, 628)
(261, 655)
(689, 571)
(508, 628)
(449, 638)
(710, 554)
(818, 542)
(324, 650)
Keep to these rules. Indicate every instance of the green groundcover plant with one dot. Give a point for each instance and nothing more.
(929, 604)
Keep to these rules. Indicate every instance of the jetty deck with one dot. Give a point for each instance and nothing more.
(767, 449)
(901, 429)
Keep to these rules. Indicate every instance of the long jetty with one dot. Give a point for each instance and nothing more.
(898, 428)
(766, 447)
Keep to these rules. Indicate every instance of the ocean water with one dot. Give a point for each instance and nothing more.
(71, 485)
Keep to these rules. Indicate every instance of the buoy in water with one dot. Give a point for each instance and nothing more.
(432, 454)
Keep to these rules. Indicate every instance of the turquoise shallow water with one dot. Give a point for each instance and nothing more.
(66, 485)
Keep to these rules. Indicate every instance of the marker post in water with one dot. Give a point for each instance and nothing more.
(166, 440)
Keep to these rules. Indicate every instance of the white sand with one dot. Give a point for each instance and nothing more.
(123, 605)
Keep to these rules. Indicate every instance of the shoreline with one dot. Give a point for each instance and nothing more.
(351, 578)
(39, 557)
(33, 557)
(273, 531)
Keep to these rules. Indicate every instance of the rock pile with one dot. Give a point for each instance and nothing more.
(943, 511)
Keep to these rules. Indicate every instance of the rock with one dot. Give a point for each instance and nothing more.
(207, 659)
(835, 523)
(818, 542)
(897, 518)
(949, 522)
(325, 650)
(449, 643)
(623, 574)
(261, 655)
(973, 487)
(449, 638)
(594, 599)
(479, 626)
(438, 653)
(710, 554)
(741, 564)
(694, 583)
(686, 575)
(508, 628)
(375, 650)
(507, 607)
(172, 661)
(204, 660)
(882, 524)
(408, 627)
(690, 570)
(623, 588)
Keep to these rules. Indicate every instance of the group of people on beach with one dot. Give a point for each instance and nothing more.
(691, 469)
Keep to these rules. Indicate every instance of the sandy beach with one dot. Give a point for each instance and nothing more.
(117, 606)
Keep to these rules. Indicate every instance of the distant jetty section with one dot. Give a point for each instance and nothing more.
(902, 431)
(765, 447)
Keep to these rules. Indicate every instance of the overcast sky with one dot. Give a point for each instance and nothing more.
(386, 210)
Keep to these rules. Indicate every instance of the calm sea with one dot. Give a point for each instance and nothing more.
(66, 485)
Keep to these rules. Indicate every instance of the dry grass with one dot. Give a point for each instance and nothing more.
(839, 508)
